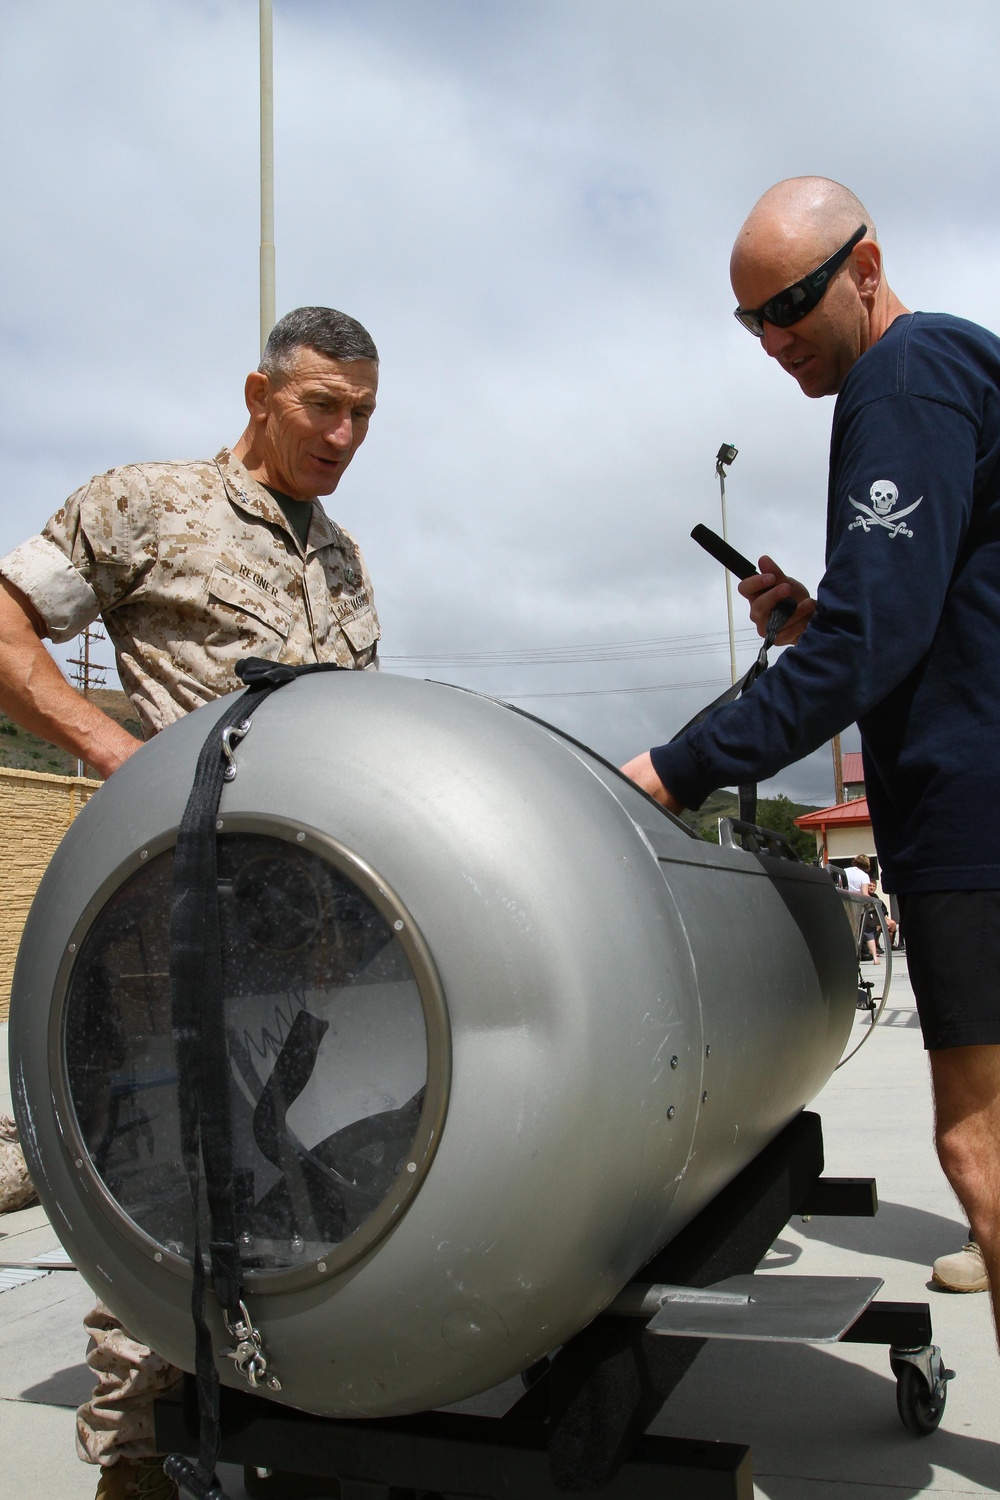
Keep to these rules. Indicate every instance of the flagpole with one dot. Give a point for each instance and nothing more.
(267, 313)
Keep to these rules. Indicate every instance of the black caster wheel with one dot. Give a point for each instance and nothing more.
(920, 1401)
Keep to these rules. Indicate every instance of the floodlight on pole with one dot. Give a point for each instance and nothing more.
(267, 313)
(723, 459)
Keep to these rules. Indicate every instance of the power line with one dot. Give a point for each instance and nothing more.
(657, 687)
(642, 650)
(660, 687)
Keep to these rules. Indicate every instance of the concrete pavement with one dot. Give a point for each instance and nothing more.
(821, 1420)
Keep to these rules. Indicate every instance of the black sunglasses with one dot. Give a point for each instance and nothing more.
(787, 307)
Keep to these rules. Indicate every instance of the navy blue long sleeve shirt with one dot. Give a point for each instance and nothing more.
(906, 634)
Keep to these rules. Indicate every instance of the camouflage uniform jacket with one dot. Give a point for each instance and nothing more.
(193, 566)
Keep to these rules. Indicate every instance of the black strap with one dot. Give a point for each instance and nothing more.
(777, 619)
(199, 1031)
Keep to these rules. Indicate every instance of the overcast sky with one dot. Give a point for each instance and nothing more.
(531, 206)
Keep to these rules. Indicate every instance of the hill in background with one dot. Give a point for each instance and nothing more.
(776, 813)
(23, 751)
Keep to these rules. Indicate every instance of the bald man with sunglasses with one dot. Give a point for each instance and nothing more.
(903, 635)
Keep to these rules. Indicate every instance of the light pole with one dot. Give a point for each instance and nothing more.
(266, 174)
(723, 459)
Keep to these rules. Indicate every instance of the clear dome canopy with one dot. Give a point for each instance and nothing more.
(328, 1053)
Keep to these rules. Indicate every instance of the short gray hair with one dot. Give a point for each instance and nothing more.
(324, 329)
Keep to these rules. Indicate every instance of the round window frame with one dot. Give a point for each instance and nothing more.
(439, 1055)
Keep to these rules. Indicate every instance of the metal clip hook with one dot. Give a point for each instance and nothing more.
(230, 739)
(248, 1353)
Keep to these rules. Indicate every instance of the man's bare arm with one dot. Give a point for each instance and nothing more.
(35, 694)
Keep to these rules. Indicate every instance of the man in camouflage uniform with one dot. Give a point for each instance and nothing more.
(192, 566)
(16, 1190)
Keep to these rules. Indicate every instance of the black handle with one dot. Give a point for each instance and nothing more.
(735, 562)
(722, 552)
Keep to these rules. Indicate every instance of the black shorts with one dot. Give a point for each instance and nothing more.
(953, 956)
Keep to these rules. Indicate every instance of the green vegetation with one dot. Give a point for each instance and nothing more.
(22, 751)
(776, 813)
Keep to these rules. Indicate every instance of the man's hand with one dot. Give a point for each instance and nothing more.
(640, 770)
(766, 589)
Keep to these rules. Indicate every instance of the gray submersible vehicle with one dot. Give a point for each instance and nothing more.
(499, 1032)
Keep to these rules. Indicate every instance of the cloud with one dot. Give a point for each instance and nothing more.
(531, 206)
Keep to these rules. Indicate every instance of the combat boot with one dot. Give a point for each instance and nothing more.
(136, 1479)
(964, 1271)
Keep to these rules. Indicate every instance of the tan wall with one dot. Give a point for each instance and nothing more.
(842, 843)
(35, 811)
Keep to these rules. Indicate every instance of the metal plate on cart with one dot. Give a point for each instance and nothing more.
(779, 1309)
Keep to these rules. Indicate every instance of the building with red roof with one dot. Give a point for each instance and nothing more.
(844, 830)
(854, 775)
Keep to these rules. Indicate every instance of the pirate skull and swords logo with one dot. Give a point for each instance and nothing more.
(882, 511)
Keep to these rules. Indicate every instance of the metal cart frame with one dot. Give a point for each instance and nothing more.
(581, 1423)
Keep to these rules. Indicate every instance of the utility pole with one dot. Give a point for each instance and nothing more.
(267, 314)
(838, 770)
(89, 673)
(723, 458)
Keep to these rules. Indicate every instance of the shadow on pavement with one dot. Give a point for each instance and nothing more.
(782, 1255)
(899, 1020)
(811, 1415)
(897, 1232)
(70, 1387)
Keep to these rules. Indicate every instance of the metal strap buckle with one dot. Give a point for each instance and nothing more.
(230, 739)
(248, 1353)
